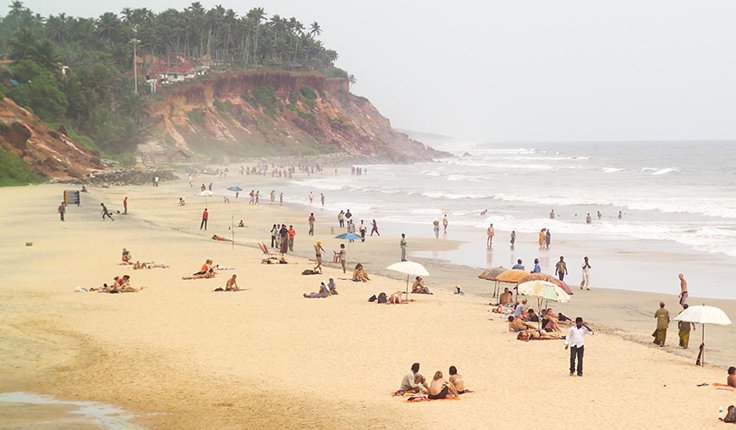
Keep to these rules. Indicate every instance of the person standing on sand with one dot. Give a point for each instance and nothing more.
(322, 199)
(663, 321)
(341, 218)
(281, 198)
(105, 212)
(284, 235)
(311, 197)
(62, 211)
(684, 327)
(402, 244)
(585, 283)
(125, 205)
(561, 269)
(490, 232)
(576, 339)
(292, 234)
(436, 228)
(274, 233)
(682, 297)
(513, 238)
(205, 217)
(552, 214)
(342, 257)
(374, 228)
(542, 237)
(588, 219)
(318, 250)
(444, 223)
(311, 220)
(620, 215)
(548, 238)
(362, 229)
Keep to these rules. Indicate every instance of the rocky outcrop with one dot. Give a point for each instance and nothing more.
(272, 113)
(50, 153)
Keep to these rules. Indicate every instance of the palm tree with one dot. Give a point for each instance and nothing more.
(315, 29)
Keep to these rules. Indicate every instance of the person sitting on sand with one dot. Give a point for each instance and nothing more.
(126, 256)
(359, 274)
(206, 269)
(412, 382)
(520, 308)
(530, 316)
(516, 324)
(241, 223)
(231, 284)
(182, 202)
(731, 379)
(505, 298)
(549, 321)
(418, 286)
(441, 389)
(528, 335)
(323, 292)
(124, 286)
(332, 286)
(456, 380)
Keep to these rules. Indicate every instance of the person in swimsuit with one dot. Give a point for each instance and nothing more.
(318, 250)
(528, 335)
(126, 256)
(456, 380)
(517, 325)
(441, 389)
(231, 284)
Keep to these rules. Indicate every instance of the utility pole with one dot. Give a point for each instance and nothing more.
(135, 43)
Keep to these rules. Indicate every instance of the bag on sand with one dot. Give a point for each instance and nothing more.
(730, 415)
(372, 298)
(382, 298)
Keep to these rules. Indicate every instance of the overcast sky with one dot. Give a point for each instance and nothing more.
(521, 70)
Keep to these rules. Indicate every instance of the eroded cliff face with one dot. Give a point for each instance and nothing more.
(262, 113)
(50, 153)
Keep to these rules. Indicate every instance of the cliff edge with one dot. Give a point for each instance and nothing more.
(268, 113)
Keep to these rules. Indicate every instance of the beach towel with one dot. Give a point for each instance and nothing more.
(424, 398)
(725, 387)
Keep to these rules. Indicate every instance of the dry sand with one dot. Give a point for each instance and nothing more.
(181, 356)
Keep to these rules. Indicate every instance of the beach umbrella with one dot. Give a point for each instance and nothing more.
(512, 276)
(409, 268)
(548, 278)
(349, 237)
(491, 274)
(703, 315)
(235, 189)
(206, 193)
(543, 290)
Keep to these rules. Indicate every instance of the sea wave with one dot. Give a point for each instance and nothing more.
(612, 169)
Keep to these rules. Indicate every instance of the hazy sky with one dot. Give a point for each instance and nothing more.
(522, 70)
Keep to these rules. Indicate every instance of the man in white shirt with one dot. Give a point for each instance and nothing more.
(576, 339)
(412, 381)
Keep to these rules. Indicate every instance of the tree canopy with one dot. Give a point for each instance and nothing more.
(93, 93)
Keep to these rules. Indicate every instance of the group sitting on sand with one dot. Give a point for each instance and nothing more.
(119, 285)
(326, 289)
(418, 286)
(414, 383)
(359, 274)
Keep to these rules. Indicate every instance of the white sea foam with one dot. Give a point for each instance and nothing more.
(612, 170)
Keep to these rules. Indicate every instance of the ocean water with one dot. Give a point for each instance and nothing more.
(672, 191)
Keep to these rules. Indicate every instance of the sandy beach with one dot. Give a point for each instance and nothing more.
(178, 355)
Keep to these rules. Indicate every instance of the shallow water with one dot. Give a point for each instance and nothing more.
(19, 410)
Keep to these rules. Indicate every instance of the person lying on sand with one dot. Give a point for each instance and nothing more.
(397, 298)
(549, 321)
(323, 292)
(456, 380)
(441, 389)
(359, 274)
(528, 335)
(231, 284)
(275, 260)
(516, 324)
(418, 286)
(123, 285)
(126, 257)
(220, 238)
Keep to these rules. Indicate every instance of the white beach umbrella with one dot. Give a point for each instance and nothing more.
(206, 193)
(543, 290)
(410, 268)
(703, 315)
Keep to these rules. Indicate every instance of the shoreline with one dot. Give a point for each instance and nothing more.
(213, 352)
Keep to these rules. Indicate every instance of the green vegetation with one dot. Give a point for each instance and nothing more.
(223, 107)
(196, 116)
(77, 71)
(14, 171)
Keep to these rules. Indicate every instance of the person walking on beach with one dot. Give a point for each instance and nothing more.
(362, 229)
(682, 297)
(125, 205)
(490, 232)
(252, 195)
(684, 327)
(205, 217)
(588, 219)
(552, 214)
(281, 198)
(258, 196)
(537, 269)
(663, 321)
(105, 212)
(586, 274)
(444, 223)
(620, 215)
(374, 228)
(561, 269)
(402, 244)
(436, 228)
(322, 199)
(311, 220)
(292, 234)
(318, 250)
(342, 257)
(311, 197)
(575, 341)
(62, 210)
(548, 238)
